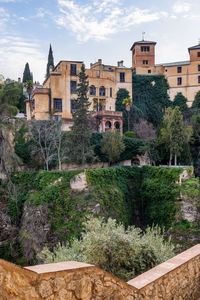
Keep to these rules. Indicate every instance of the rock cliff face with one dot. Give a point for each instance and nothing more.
(9, 161)
(34, 229)
(186, 229)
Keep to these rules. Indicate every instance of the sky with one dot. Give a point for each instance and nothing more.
(87, 30)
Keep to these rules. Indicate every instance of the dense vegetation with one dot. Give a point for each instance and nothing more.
(124, 253)
(120, 191)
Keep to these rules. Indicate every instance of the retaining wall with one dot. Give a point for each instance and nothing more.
(176, 279)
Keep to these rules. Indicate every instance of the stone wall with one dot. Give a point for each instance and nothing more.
(176, 279)
(61, 281)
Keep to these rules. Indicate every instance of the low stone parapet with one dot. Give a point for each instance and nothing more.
(176, 279)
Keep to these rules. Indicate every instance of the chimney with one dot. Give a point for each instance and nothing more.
(120, 63)
(19, 80)
(100, 61)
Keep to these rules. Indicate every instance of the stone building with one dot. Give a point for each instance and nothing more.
(183, 76)
(57, 98)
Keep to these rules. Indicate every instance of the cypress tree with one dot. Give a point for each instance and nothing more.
(50, 62)
(181, 102)
(196, 102)
(27, 75)
(80, 134)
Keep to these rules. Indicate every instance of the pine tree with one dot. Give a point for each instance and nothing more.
(27, 75)
(50, 62)
(80, 134)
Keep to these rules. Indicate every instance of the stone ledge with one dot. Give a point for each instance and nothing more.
(56, 267)
(157, 272)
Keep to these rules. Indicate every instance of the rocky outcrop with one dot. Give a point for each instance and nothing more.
(79, 183)
(34, 230)
(7, 229)
(9, 161)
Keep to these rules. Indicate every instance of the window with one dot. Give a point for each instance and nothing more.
(149, 71)
(110, 92)
(199, 68)
(57, 104)
(145, 62)
(122, 76)
(73, 106)
(199, 79)
(102, 91)
(92, 90)
(32, 104)
(145, 48)
(98, 73)
(73, 69)
(198, 54)
(73, 87)
(179, 69)
(179, 80)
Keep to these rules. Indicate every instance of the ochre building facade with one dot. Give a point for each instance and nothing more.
(183, 76)
(57, 98)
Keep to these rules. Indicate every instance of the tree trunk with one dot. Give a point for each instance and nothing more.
(60, 164)
(175, 159)
(128, 121)
(170, 159)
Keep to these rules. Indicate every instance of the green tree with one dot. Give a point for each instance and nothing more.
(120, 106)
(112, 145)
(124, 253)
(27, 74)
(174, 133)
(50, 62)
(196, 102)
(181, 102)
(80, 135)
(10, 97)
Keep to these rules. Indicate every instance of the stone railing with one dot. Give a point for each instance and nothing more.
(176, 279)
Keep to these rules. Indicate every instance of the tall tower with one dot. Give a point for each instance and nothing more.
(143, 57)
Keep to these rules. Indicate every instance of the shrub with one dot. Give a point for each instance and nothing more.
(124, 253)
(129, 134)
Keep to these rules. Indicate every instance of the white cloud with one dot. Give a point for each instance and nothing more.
(4, 18)
(11, 1)
(181, 7)
(15, 51)
(23, 19)
(7, 1)
(99, 19)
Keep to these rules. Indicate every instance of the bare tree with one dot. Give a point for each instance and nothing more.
(43, 135)
(144, 130)
(61, 144)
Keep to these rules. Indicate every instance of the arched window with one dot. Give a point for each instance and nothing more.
(102, 91)
(117, 125)
(107, 125)
(92, 90)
